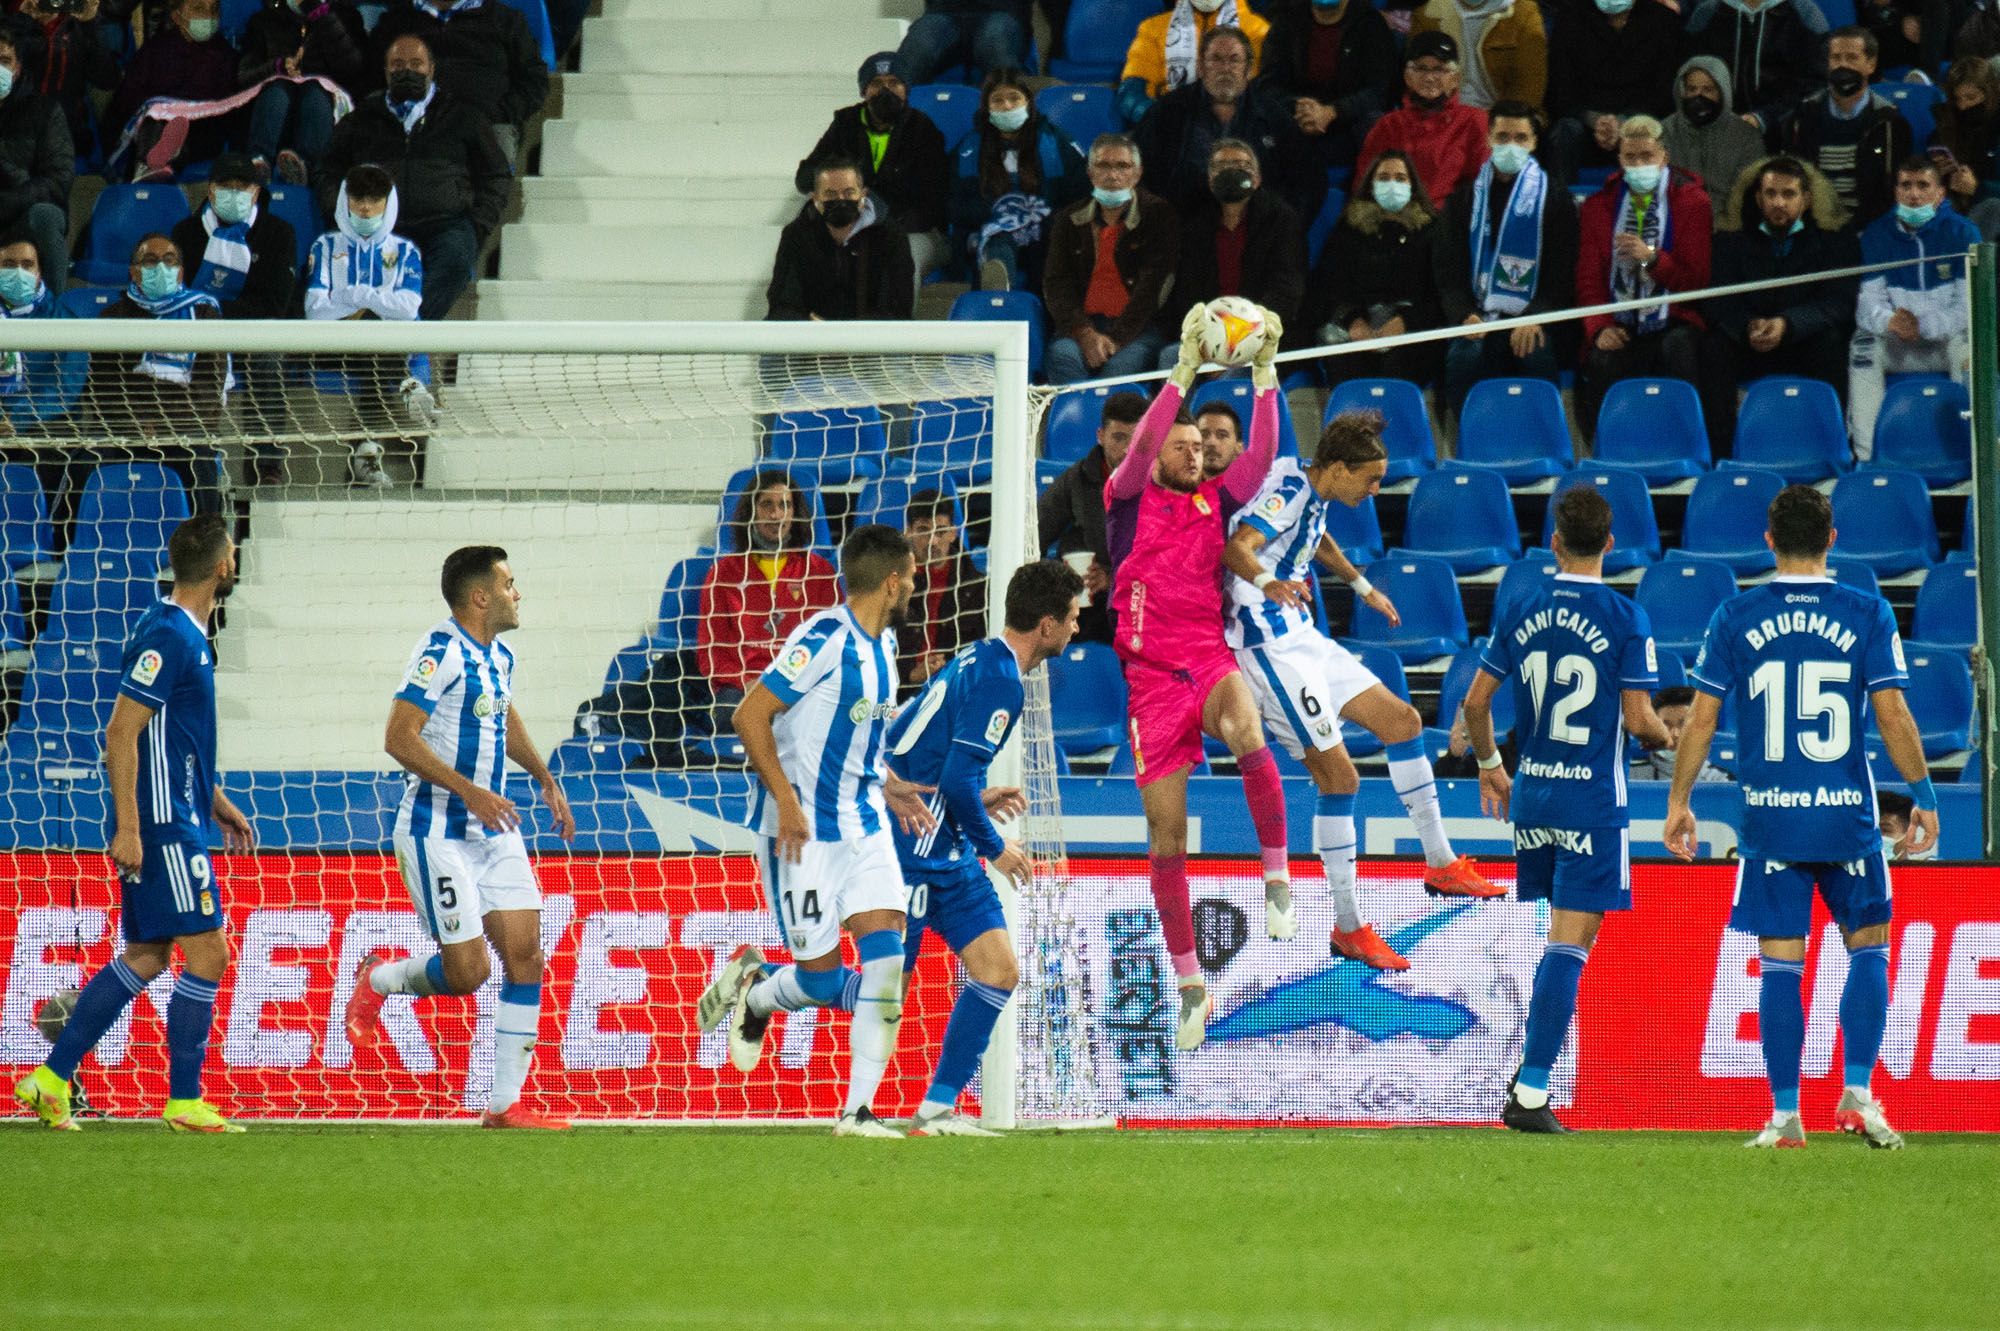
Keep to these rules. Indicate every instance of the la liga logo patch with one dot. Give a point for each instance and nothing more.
(147, 668)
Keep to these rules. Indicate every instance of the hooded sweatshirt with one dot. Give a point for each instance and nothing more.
(1718, 151)
(1775, 50)
(349, 275)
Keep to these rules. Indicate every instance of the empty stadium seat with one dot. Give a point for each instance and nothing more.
(295, 203)
(1515, 427)
(1357, 531)
(1095, 38)
(1240, 394)
(1464, 516)
(130, 506)
(1918, 102)
(121, 215)
(1947, 613)
(951, 107)
(1672, 668)
(680, 598)
(1858, 576)
(1793, 427)
(1925, 426)
(1070, 429)
(727, 539)
(1635, 535)
(1425, 593)
(1884, 519)
(833, 444)
(634, 661)
(89, 302)
(1458, 682)
(951, 440)
(606, 755)
(1001, 307)
(1655, 427)
(1386, 666)
(1081, 110)
(1087, 698)
(1727, 515)
(100, 595)
(1521, 579)
(1940, 698)
(1680, 597)
(1406, 421)
(25, 535)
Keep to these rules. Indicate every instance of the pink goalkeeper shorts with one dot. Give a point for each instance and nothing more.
(1165, 706)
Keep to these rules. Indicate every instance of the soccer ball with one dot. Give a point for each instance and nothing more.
(54, 1014)
(1232, 331)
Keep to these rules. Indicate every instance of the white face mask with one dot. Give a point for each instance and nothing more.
(1207, 6)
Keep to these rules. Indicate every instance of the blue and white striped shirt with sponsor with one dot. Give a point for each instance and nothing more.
(167, 666)
(465, 690)
(838, 685)
(1292, 518)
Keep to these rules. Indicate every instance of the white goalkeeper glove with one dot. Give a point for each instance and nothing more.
(1264, 370)
(1191, 357)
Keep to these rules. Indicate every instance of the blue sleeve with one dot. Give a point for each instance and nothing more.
(1496, 658)
(982, 719)
(153, 665)
(961, 784)
(1714, 673)
(1883, 666)
(1640, 666)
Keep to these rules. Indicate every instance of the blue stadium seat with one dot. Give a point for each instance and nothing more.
(1464, 516)
(1320, 229)
(1947, 613)
(803, 480)
(537, 14)
(1673, 670)
(1918, 102)
(1087, 698)
(235, 17)
(951, 107)
(1858, 576)
(1515, 427)
(66, 702)
(89, 302)
(635, 660)
(1046, 472)
(1458, 682)
(1386, 666)
(1002, 306)
(680, 597)
(887, 500)
(130, 506)
(834, 444)
(25, 535)
(607, 755)
(1940, 698)
(1521, 579)
(1680, 597)
(1081, 110)
(295, 203)
(121, 215)
(952, 440)
(1635, 535)
(1070, 428)
(1655, 427)
(1096, 37)
(1726, 517)
(1240, 394)
(1426, 595)
(1883, 519)
(1793, 427)
(99, 596)
(1357, 531)
(1406, 420)
(1926, 427)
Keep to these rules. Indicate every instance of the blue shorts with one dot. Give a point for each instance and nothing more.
(174, 895)
(1774, 898)
(957, 906)
(1589, 870)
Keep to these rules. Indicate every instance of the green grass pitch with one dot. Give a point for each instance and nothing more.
(447, 1228)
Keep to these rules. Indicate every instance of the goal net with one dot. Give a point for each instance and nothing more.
(672, 499)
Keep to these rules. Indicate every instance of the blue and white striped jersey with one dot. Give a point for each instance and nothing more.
(465, 690)
(167, 666)
(1292, 517)
(970, 707)
(839, 690)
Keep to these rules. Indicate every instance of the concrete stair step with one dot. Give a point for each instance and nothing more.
(682, 108)
(671, 301)
(638, 148)
(749, 47)
(719, 253)
(801, 11)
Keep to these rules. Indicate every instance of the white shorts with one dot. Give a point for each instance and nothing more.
(454, 883)
(833, 882)
(1301, 681)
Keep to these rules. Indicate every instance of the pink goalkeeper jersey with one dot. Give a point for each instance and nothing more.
(1166, 545)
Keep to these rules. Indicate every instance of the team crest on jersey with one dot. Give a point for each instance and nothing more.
(450, 923)
(1201, 505)
(794, 661)
(1324, 729)
(207, 902)
(997, 727)
(147, 668)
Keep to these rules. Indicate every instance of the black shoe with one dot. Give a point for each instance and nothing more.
(1522, 1119)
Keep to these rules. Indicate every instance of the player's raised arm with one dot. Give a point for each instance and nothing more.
(403, 740)
(1905, 744)
(1150, 435)
(1246, 474)
(521, 748)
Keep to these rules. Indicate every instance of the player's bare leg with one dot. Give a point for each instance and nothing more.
(1334, 838)
(455, 968)
(1229, 713)
(1551, 1008)
(1397, 725)
(517, 936)
(1864, 1014)
(878, 1015)
(991, 973)
(1781, 1029)
(1165, 803)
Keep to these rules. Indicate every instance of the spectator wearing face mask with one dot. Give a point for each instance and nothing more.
(1774, 51)
(1856, 137)
(35, 386)
(37, 165)
(1967, 141)
(1243, 242)
(286, 45)
(1502, 44)
(839, 259)
(186, 60)
(1332, 63)
(1164, 51)
(1012, 174)
(1110, 260)
(483, 53)
(1672, 706)
(1444, 138)
(1703, 140)
(1892, 819)
(1609, 60)
(1374, 278)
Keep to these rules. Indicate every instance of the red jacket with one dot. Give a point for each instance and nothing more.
(1683, 264)
(745, 617)
(1447, 145)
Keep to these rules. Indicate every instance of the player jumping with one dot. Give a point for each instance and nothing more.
(814, 728)
(159, 757)
(458, 837)
(1165, 524)
(1581, 661)
(1304, 682)
(947, 738)
(1805, 659)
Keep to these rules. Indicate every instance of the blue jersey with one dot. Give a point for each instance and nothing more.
(1569, 649)
(1292, 518)
(1797, 659)
(838, 685)
(465, 691)
(969, 708)
(167, 667)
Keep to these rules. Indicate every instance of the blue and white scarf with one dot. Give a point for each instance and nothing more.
(14, 364)
(1507, 268)
(1016, 216)
(173, 367)
(411, 113)
(225, 264)
(1654, 225)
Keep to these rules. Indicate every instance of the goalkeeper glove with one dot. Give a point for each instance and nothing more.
(1264, 370)
(1191, 357)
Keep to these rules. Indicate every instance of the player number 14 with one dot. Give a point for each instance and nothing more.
(1767, 681)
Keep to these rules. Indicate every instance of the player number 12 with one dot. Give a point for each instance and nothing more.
(1570, 670)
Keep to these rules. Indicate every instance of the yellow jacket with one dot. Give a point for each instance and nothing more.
(1147, 57)
(1515, 49)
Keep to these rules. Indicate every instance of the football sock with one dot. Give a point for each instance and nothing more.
(1864, 1012)
(1416, 786)
(1333, 837)
(965, 1036)
(1170, 898)
(1781, 1023)
(409, 976)
(514, 1027)
(789, 989)
(190, 1014)
(1264, 792)
(107, 995)
(878, 1011)
(1550, 1008)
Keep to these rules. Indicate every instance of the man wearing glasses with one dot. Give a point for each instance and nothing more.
(1109, 259)
(1446, 139)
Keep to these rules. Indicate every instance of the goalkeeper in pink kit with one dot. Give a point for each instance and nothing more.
(1167, 528)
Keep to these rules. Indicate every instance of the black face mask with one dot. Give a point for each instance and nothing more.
(841, 212)
(408, 86)
(1232, 185)
(884, 107)
(1701, 112)
(1846, 82)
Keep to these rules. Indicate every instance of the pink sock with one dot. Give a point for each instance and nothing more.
(1170, 898)
(1264, 792)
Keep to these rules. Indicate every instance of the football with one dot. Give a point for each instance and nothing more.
(1232, 331)
(54, 1014)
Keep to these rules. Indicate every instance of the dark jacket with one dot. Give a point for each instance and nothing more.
(1594, 67)
(1885, 143)
(1685, 257)
(336, 45)
(37, 161)
(1775, 56)
(1452, 257)
(450, 167)
(485, 57)
(1065, 180)
(1274, 260)
(1175, 138)
(1070, 513)
(169, 65)
(1744, 252)
(1375, 258)
(1145, 255)
(267, 288)
(959, 620)
(870, 277)
(67, 62)
(915, 176)
(1365, 73)
(133, 405)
